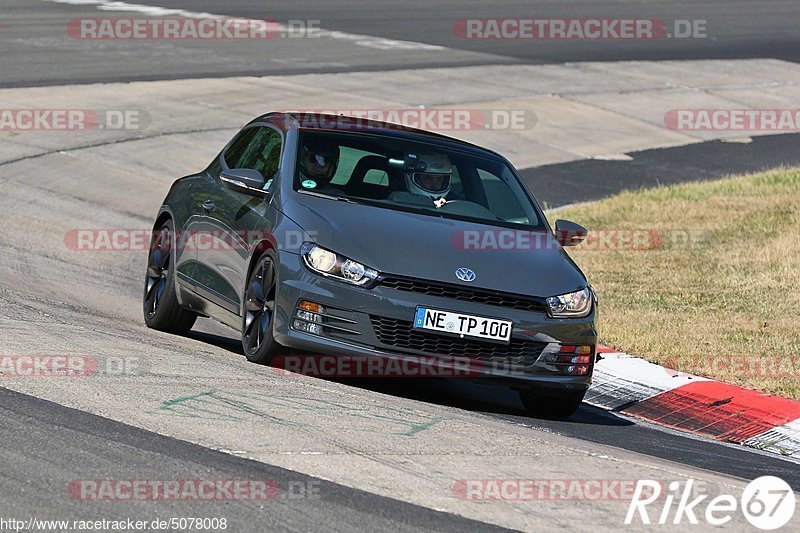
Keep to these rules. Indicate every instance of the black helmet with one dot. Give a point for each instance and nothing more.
(318, 161)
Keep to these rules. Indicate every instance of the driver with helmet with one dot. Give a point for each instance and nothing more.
(318, 163)
(430, 176)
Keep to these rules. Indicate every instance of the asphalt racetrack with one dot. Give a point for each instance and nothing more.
(378, 455)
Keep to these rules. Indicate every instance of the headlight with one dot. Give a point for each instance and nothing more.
(321, 259)
(333, 265)
(571, 305)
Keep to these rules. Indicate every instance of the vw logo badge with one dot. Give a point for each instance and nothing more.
(465, 274)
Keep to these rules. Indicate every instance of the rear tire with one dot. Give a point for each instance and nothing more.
(551, 405)
(160, 303)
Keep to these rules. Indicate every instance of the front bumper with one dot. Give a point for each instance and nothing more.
(377, 322)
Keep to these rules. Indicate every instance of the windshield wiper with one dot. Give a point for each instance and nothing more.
(329, 197)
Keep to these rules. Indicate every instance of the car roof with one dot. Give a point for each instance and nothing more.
(326, 122)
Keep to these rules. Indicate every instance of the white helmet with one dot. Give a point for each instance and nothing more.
(429, 175)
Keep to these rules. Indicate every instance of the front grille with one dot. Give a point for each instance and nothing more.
(400, 334)
(465, 294)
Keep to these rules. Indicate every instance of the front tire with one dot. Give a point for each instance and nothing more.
(160, 303)
(551, 405)
(258, 341)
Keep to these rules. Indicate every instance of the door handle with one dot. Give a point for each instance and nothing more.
(208, 205)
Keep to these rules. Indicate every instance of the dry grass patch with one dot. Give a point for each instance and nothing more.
(726, 302)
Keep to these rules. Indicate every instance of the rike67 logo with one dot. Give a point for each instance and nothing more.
(767, 502)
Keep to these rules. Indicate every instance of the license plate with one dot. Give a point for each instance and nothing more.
(463, 325)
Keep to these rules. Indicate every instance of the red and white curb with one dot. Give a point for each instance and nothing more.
(703, 406)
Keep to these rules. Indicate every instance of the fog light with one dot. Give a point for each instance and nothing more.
(311, 317)
(308, 317)
(307, 327)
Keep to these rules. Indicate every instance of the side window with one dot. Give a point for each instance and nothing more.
(234, 153)
(262, 152)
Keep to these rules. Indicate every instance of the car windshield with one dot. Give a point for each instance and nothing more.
(403, 175)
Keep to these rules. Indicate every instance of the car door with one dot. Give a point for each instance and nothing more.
(229, 217)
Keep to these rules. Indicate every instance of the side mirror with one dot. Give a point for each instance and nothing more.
(244, 180)
(569, 233)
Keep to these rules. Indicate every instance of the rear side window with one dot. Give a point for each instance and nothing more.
(261, 152)
(234, 153)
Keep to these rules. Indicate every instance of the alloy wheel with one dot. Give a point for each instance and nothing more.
(259, 304)
(157, 271)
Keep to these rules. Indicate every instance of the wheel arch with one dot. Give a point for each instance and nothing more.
(164, 214)
(264, 246)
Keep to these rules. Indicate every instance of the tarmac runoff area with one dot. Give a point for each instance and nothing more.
(537, 115)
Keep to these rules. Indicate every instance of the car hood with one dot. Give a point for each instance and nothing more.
(431, 248)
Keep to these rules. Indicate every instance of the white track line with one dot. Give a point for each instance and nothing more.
(154, 11)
